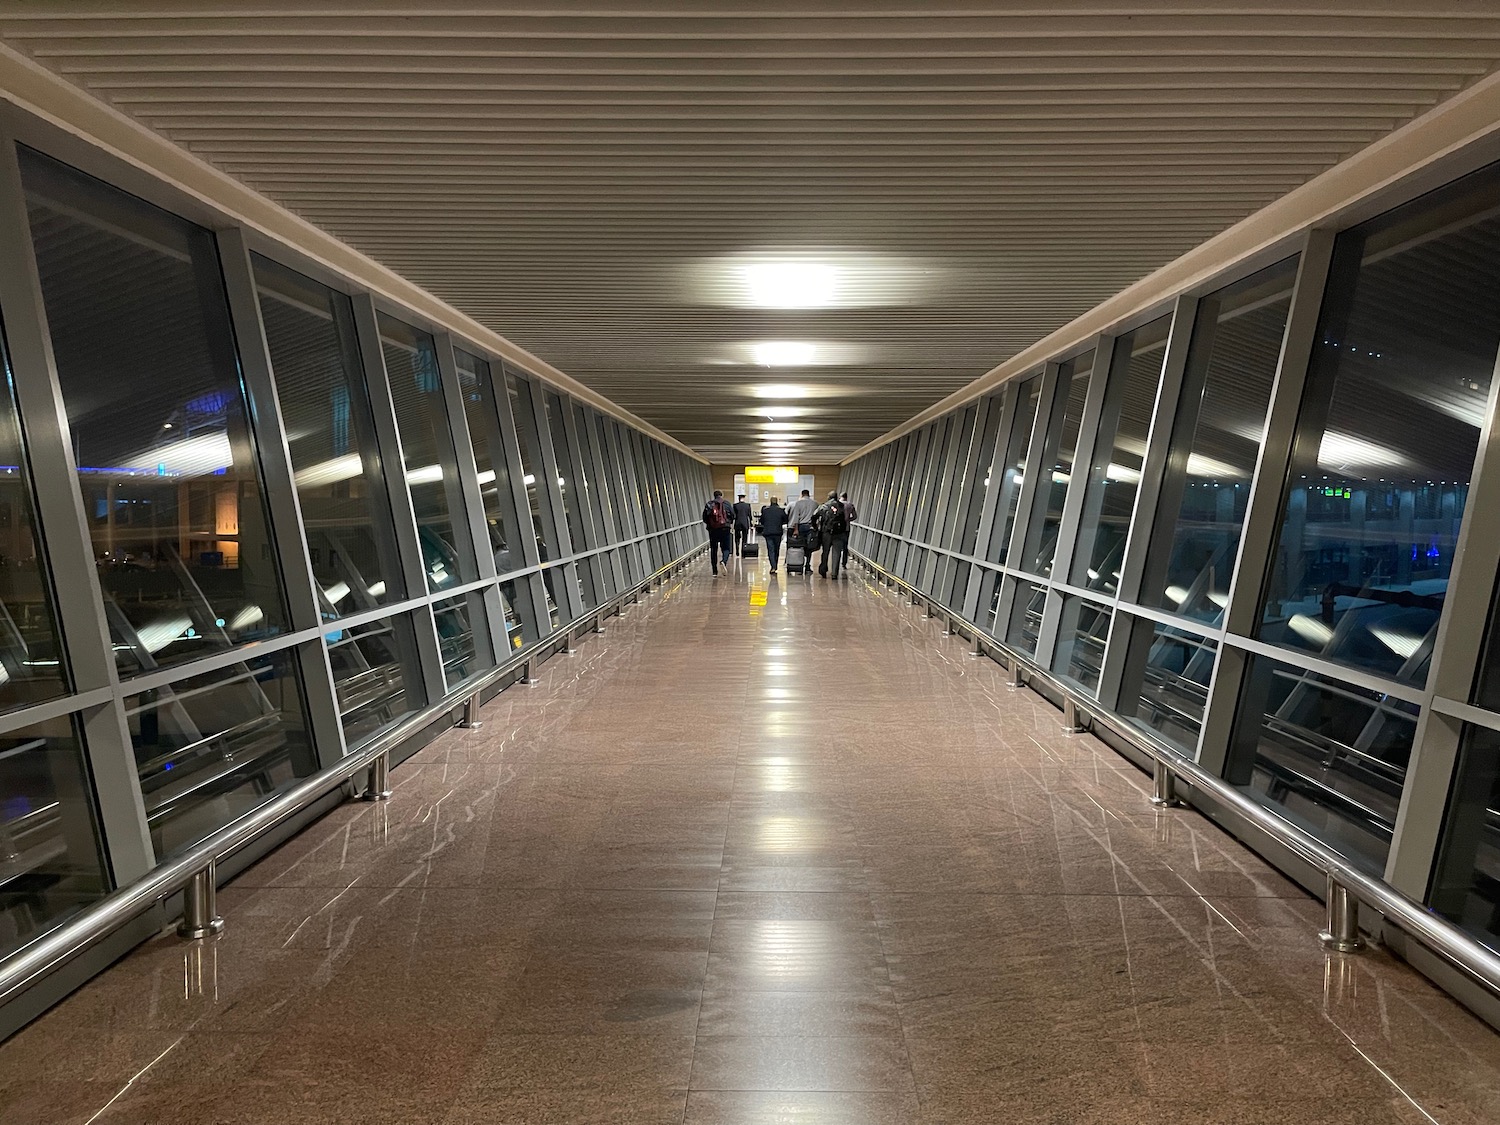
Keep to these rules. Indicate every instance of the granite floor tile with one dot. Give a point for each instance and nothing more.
(874, 886)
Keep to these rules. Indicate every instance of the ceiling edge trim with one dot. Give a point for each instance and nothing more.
(74, 110)
(1462, 120)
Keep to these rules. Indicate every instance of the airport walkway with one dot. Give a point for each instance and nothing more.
(769, 851)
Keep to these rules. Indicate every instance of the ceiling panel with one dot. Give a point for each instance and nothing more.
(939, 185)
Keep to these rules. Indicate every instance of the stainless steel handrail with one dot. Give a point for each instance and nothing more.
(1348, 885)
(194, 870)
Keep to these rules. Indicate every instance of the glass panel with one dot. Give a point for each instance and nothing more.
(1082, 635)
(1466, 887)
(212, 747)
(567, 480)
(375, 676)
(1388, 429)
(1018, 445)
(31, 665)
(1215, 442)
(427, 447)
(1026, 615)
(454, 619)
(521, 411)
(51, 862)
(1120, 452)
(1075, 377)
(1166, 681)
(478, 390)
(167, 471)
(1331, 756)
(331, 436)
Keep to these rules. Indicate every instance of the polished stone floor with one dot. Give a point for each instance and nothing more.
(771, 850)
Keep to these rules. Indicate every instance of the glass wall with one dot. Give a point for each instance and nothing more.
(1224, 497)
(167, 470)
(302, 512)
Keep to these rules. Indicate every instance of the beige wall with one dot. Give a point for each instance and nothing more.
(827, 476)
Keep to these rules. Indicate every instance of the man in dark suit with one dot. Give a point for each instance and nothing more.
(741, 523)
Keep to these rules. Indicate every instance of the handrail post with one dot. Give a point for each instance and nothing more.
(1017, 674)
(1342, 932)
(598, 617)
(1071, 721)
(471, 721)
(979, 649)
(526, 676)
(931, 609)
(567, 642)
(200, 911)
(952, 630)
(379, 785)
(1163, 784)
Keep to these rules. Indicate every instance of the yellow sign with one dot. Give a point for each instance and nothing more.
(771, 474)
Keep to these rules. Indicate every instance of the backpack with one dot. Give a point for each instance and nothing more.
(835, 520)
(715, 516)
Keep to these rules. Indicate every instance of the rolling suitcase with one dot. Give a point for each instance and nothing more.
(750, 549)
(796, 559)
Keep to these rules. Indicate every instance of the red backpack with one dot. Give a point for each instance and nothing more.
(716, 516)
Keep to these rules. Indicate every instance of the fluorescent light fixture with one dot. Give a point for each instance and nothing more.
(336, 593)
(487, 477)
(377, 590)
(790, 285)
(780, 390)
(528, 479)
(783, 353)
(426, 474)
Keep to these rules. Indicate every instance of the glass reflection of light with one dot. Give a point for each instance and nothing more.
(159, 634)
(250, 615)
(1310, 629)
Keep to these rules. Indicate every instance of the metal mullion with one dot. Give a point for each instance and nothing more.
(1163, 477)
(1263, 510)
(1001, 407)
(629, 499)
(511, 499)
(1041, 454)
(1106, 387)
(593, 538)
(547, 455)
(944, 483)
(471, 531)
(278, 481)
(62, 533)
(911, 487)
(991, 406)
(398, 495)
(1457, 652)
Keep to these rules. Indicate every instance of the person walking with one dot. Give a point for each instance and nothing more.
(799, 518)
(773, 520)
(833, 531)
(718, 518)
(851, 515)
(741, 524)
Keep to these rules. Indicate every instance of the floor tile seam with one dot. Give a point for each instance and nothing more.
(713, 921)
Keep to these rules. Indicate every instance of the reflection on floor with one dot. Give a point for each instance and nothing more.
(771, 850)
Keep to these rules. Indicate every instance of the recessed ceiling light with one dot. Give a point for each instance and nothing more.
(780, 390)
(783, 353)
(791, 285)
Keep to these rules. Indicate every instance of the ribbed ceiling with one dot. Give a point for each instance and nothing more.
(594, 181)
